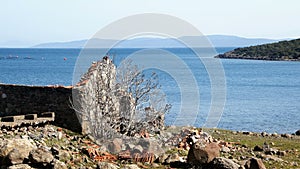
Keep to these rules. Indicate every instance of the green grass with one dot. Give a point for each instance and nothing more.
(291, 145)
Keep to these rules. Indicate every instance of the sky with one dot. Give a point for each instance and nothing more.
(26, 23)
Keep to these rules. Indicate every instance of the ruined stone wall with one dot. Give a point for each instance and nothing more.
(21, 100)
(95, 95)
(97, 100)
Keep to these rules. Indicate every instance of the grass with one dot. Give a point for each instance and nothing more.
(290, 145)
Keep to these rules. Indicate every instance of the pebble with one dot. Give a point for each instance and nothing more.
(59, 135)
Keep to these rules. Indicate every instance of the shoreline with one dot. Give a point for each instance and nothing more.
(67, 149)
(239, 58)
(55, 98)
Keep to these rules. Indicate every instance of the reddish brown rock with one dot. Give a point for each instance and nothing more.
(254, 163)
(203, 154)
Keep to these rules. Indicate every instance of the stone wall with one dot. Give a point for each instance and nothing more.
(94, 106)
(21, 100)
(93, 100)
(99, 103)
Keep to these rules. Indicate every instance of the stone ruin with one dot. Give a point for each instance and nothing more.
(103, 108)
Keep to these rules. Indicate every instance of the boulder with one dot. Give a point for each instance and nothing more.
(281, 153)
(41, 156)
(20, 166)
(15, 157)
(254, 163)
(138, 149)
(15, 150)
(64, 155)
(258, 148)
(115, 146)
(59, 165)
(297, 133)
(203, 154)
(222, 163)
(286, 135)
(151, 146)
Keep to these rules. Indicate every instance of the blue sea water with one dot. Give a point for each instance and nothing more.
(261, 95)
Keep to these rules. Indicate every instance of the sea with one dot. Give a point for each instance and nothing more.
(261, 96)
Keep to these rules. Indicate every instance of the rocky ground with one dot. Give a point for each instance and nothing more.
(176, 147)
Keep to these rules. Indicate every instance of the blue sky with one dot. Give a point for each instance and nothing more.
(29, 22)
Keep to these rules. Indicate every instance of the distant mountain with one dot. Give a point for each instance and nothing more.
(216, 40)
(283, 50)
(235, 41)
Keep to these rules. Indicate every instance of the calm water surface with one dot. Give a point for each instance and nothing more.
(261, 95)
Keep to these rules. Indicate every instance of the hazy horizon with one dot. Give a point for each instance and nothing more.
(28, 23)
(218, 41)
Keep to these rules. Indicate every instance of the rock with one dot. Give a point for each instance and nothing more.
(254, 163)
(281, 153)
(20, 166)
(272, 158)
(64, 155)
(162, 158)
(274, 134)
(152, 146)
(225, 149)
(247, 133)
(222, 163)
(155, 165)
(203, 154)
(41, 156)
(59, 135)
(116, 145)
(286, 135)
(138, 149)
(16, 150)
(297, 133)
(131, 166)
(172, 158)
(15, 157)
(294, 164)
(264, 134)
(59, 165)
(257, 148)
(271, 151)
(106, 165)
(55, 150)
(130, 146)
(102, 149)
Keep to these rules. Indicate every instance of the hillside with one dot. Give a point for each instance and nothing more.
(150, 42)
(283, 50)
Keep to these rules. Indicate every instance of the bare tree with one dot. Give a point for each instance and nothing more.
(149, 100)
(126, 101)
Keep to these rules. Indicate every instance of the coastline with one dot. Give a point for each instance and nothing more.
(26, 99)
(232, 55)
(63, 148)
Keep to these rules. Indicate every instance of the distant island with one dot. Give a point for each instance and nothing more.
(283, 50)
(153, 42)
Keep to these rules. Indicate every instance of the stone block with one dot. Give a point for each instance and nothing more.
(30, 117)
(8, 119)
